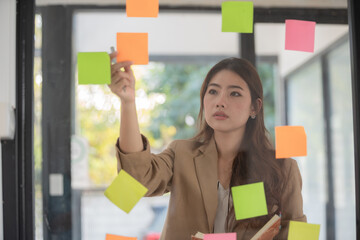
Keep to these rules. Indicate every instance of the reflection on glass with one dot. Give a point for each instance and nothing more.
(38, 208)
(342, 141)
(305, 108)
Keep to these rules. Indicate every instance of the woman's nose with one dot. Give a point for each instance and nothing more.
(221, 101)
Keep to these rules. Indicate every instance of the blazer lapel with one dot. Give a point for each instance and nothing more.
(206, 172)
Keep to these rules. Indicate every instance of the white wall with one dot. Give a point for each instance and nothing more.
(7, 79)
(169, 34)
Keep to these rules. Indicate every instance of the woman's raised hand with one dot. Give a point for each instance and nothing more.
(122, 80)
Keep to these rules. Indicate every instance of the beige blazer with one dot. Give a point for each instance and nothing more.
(191, 177)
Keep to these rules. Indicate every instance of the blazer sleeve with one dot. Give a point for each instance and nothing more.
(291, 199)
(154, 171)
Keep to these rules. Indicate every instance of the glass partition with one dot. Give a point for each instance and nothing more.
(307, 89)
(319, 98)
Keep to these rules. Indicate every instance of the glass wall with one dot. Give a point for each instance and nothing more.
(305, 108)
(325, 82)
(341, 124)
(167, 99)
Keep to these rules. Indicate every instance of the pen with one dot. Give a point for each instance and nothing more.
(112, 49)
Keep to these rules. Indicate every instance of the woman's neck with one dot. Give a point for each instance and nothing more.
(228, 144)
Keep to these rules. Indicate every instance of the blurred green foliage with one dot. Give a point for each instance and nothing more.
(181, 84)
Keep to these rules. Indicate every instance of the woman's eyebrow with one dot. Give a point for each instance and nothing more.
(235, 86)
(231, 86)
(215, 85)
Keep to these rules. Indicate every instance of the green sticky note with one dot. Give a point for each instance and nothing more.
(125, 191)
(303, 231)
(94, 68)
(249, 200)
(237, 16)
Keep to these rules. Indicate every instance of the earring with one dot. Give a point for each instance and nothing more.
(253, 116)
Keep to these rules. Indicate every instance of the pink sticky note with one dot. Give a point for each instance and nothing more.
(220, 236)
(299, 35)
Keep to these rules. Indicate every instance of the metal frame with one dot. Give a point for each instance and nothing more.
(17, 154)
(57, 91)
(354, 31)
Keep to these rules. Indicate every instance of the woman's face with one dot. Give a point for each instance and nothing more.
(227, 102)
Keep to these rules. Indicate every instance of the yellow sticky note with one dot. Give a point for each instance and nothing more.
(125, 191)
(133, 47)
(303, 231)
(142, 8)
(94, 68)
(290, 141)
(237, 16)
(116, 237)
(249, 200)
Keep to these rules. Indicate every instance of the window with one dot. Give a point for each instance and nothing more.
(168, 103)
(328, 170)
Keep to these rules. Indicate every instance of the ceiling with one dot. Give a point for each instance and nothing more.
(209, 3)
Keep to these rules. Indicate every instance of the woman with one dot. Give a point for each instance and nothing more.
(232, 148)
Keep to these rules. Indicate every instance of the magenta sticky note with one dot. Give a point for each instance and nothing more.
(220, 236)
(299, 35)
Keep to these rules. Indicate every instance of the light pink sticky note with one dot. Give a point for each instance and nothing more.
(299, 35)
(220, 236)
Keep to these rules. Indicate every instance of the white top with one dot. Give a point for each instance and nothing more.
(222, 209)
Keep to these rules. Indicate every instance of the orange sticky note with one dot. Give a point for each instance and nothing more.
(116, 237)
(299, 35)
(290, 141)
(142, 8)
(133, 47)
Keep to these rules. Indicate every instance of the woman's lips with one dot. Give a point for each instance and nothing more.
(219, 115)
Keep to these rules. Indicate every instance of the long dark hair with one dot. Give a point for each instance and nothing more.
(255, 162)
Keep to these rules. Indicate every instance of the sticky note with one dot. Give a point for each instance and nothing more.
(116, 237)
(302, 231)
(290, 141)
(142, 8)
(249, 200)
(237, 16)
(125, 191)
(94, 68)
(299, 35)
(220, 236)
(133, 47)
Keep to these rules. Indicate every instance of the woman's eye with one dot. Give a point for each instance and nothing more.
(212, 91)
(235, 94)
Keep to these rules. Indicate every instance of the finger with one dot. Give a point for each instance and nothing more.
(119, 79)
(120, 65)
(119, 74)
(113, 55)
(121, 85)
(128, 69)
